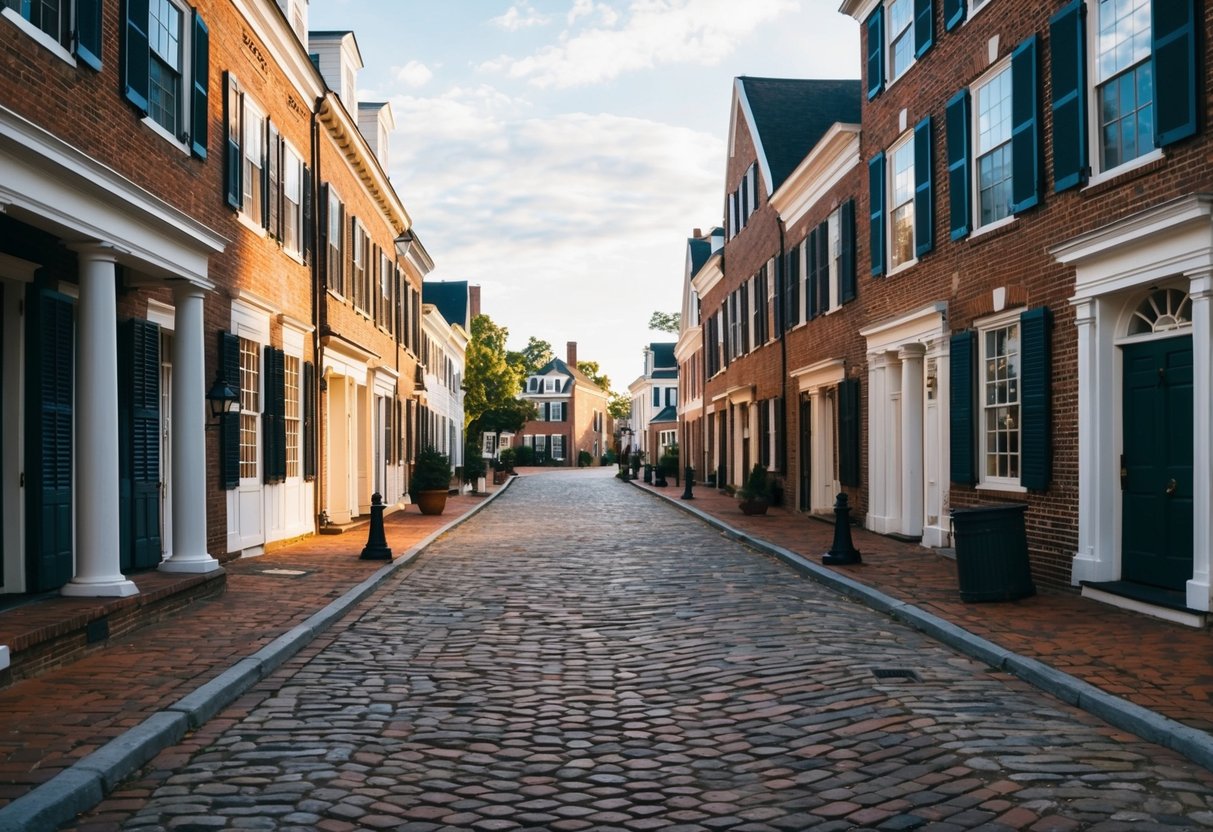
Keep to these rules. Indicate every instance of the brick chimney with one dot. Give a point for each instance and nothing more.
(572, 355)
(473, 302)
(698, 234)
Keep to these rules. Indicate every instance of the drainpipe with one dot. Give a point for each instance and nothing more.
(783, 350)
(317, 299)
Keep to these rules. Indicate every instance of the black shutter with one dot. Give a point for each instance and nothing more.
(135, 54)
(233, 157)
(959, 195)
(200, 96)
(924, 188)
(267, 163)
(88, 33)
(139, 461)
(924, 26)
(876, 212)
(875, 51)
(953, 13)
(273, 177)
(791, 295)
(309, 210)
(1068, 77)
(777, 463)
(273, 421)
(743, 311)
(309, 420)
(777, 276)
(1173, 50)
(49, 334)
(1025, 128)
(322, 236)
(229, 423)
(961, 379)
(848, 432)
(847, 283)
(823, 267)
(764, 434)
(811, 276)
(1035, 393)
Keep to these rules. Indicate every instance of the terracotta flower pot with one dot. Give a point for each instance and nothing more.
(753, 506)
(431, 502)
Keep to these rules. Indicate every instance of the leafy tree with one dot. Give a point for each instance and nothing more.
(506, 417)
(620, 406)
(595, 374)
(490, 382)
(534, 355)
(666, 322)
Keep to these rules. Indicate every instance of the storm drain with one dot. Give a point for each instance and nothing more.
(895, 673)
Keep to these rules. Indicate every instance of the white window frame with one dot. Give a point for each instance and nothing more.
(358, 268)
(252, 141)
(62, 50)
(292, 371)
(834, 238)
(891, 37)
(292, 208)
(558, 447)
(335, 250)
(550, 385)
(251, 397)
(985, 326)
(975, 92)
(904, 144)
(184, 45)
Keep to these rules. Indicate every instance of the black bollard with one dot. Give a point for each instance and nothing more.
(659, 476)
(376, 542)
(689, 475)
(648, 473)
(843, 552)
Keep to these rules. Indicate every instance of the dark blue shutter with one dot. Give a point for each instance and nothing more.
(961, 378)
(273, 421)
(924, 26)
(135, 54)
(876, 212)
(811, 275)
(848, 432)
(777, 276)
(139, 367)
(200, 117)
(823, 268)
(322, 239)
(924, 189)
(88, 32)
(1036, 385)
(953, 13)
(1025, 128)
(233, 159)
(268, 165)
(875, 52)
(959, 190)
(49, 334)
(1068, 79)
(229, 423)
(308, 207)
(847, 283)
(1173, 51)
(309, 420)
(791, 271)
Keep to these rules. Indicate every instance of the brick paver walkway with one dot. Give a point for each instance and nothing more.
(581, 656)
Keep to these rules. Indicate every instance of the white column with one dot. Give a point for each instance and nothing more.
(877, 457)
(189, 436)
(1093, 561)
(912, 482)
(1198, 589)
(98, 569)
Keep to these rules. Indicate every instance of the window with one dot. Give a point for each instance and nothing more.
(250, 406)
(253, 143)
(532, 384)
(761, 307)
(901, 207)
(358, 273)
(1000, 390)
(383, 308)
(557, 446)
(292, 202)
(557, 412)
(901, 37)
(896, 34)
(165, 64)
(1124, 81)
(50, 16)
(550, 385)
(671, 396)
(993, 148)
(656, 397)
(291, 415)
(335, 248)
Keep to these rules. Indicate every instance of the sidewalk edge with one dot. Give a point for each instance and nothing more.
(1118, 712)
(85, 783)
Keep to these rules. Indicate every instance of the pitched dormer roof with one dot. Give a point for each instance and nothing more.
(451, 298)
(663, 356)
(561, 367)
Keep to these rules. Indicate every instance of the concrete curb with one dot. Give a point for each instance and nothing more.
(1120, 713)
(85, 783)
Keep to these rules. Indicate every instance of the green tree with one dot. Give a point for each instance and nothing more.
(534, 355)
(489, 382)
(666, 322)
(594, 373)
(620, 406)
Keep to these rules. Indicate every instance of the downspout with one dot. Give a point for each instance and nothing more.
(318, 380)
(780, 265)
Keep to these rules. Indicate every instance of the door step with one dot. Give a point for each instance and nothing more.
(1167, 604)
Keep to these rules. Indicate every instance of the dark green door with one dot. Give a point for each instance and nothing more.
(806, 458)
(1157, 463)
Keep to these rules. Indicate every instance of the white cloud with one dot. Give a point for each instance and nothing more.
(413, 74)
(520, 16)
(655, 32)
(587, 8)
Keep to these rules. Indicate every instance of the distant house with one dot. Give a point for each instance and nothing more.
(572, 413)
(448, 309)
(652, 393)
(703, 255)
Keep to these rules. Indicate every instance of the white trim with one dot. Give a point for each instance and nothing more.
(1124, 167)
(764, 166)
(1133, 605)
(819, 374)
(829, 161)
(162, 314)
(14, 268)
(44, 39)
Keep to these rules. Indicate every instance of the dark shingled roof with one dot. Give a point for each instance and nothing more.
(791, 115)
(663, 355)
(562, 367)
(701, 250)
(668, 414)
(665, 374)
(451, 298)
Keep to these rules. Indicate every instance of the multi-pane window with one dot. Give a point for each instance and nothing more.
(901, 213)
(334, 262)
(291, 414)
(292, 202)
(250, 405)
(993, 142)
(384, 306)
(51, 16)
(549, 385)
(164, 64)
(834, 240)
(358, 275)
(557, 446)
(901, 37)
(253, 142)
(1000, 381)
(1125, 91)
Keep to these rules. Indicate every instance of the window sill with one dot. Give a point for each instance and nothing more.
(1100, 182)
(1004, 487)
(909, 264)
(993, 228)
(40, 36)
(245, 220)
(156, 127)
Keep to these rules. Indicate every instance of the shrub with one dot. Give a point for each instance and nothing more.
(431, 472)
(473, 463)
(669, 461)
(506, 459)
(756, 485)
(584, 459)
(524, 456)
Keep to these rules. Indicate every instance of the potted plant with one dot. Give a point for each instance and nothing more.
(754, 496)
(431, 481)
(474, 468)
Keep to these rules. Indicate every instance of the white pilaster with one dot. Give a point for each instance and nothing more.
(1198, 590)
(189, 437)
(98, 570)
(1093, 561)
(912, 482)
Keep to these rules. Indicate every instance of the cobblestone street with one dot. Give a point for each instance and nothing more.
(582, 656)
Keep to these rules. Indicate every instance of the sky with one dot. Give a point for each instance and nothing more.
(559, 153)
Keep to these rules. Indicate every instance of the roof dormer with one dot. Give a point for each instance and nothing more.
(337, 57)
(376, 122)
(295, 12)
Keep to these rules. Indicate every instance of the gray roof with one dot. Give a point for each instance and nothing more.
(451, 298)
(573, 372)
(668, 414)
(791, 115)
(700, 249)
(665, 374)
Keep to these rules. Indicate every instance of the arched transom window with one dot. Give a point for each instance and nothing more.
(1164, 310)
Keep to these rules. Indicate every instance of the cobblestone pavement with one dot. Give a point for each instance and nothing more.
(581, 656)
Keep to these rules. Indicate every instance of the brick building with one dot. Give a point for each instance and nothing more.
(688, 350)
(654, 412)
(571, 413)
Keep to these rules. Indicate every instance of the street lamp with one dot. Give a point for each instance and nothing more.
(223, 398)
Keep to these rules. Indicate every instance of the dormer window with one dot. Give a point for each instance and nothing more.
(532, 384)
(550, 385)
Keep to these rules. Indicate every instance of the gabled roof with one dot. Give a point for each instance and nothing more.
(668, 414)
(561, 367)
(788, 116)
(700, 249)
(451, 298)
(663, 355)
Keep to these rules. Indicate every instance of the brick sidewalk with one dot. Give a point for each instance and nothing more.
(51, 721)
(1165, 667)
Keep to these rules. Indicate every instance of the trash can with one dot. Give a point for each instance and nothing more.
(992, 553)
